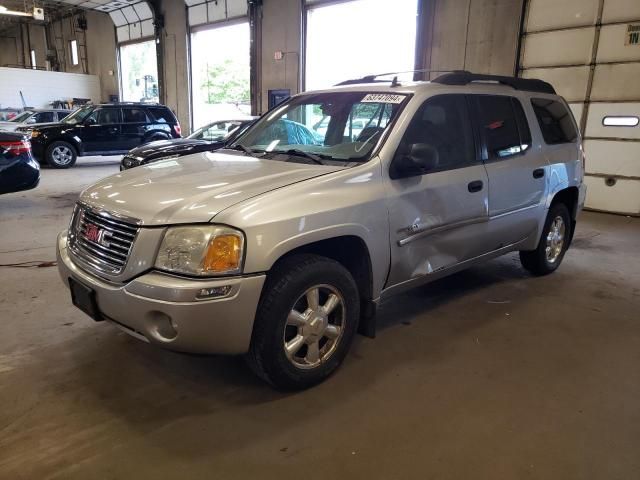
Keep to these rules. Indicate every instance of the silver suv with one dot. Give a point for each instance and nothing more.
(281, 246)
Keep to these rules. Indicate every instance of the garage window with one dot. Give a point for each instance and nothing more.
(555, 120)
(139, 72)
(220, 75)
(73, 48)
(356, 38)
(620, 121)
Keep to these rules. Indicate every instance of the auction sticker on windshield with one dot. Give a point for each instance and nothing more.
(383, 98)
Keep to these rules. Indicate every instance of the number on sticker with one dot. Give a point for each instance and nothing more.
(383, 98)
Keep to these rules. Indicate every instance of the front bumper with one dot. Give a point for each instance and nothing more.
(163, 309)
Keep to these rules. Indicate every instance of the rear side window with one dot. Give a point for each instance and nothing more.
(162, 115)
(442, 124)
(133, 115)
(501, 118)
(555, 120)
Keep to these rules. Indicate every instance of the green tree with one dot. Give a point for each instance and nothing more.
(226, 82)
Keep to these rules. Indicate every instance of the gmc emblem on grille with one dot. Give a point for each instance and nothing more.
(95, 234)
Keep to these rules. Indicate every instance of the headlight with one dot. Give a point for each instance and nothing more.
(202, 250)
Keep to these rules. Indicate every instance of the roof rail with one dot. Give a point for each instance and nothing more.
(526, 84)
(394, 81)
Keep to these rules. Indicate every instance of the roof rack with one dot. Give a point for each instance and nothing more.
(526, 84)
(394, 81)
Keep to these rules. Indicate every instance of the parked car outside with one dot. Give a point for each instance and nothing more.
(30, 118)
(18, 169)
(281, 251)
(109, 129)
(208, 138)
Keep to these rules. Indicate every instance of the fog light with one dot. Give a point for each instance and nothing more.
(214, 292)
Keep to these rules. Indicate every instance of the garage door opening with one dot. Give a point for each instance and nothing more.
(220, 73)
(139, 72)
(358, 38)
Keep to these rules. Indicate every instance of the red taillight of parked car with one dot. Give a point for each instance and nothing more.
(178, 129)
(23, 146)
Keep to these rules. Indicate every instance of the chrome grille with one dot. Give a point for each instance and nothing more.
(100, 240)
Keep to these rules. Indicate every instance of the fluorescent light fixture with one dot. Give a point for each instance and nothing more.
(5, 11)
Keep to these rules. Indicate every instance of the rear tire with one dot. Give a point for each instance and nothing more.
(305, 324)
(61, 155)
(553, 244)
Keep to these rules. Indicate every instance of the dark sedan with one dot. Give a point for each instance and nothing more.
(18, 169)
(210, 137)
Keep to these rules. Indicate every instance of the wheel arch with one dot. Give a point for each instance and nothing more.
(569, 197)
(71, 141)
(352, 252)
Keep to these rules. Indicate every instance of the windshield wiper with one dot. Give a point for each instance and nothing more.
(242, 148)
(301, 153)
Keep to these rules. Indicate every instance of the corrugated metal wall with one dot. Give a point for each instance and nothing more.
(587, 50)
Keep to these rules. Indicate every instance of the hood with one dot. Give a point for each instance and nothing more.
(162, 147)
(194, 188)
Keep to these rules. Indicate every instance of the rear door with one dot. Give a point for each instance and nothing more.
(438, 219)
(134, 126)
(517, 172)
(102, 132)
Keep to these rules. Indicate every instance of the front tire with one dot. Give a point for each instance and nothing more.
(553, 244)
(61, 155)
(305, 324)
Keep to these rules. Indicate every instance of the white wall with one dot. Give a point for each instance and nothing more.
(40, 88)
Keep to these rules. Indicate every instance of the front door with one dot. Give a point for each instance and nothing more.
(438, 219)
(101, 132)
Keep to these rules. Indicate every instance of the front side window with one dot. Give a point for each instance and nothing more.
(336, 125)
(441, 127)
(104, 116)
(555, 120)
(44, 117)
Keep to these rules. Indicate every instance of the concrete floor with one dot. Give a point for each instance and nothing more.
(490, 374)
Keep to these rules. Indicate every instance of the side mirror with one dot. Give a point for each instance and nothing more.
(31, 120)
(422, 158)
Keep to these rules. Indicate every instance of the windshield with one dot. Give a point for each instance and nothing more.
(22, 117)
(78, 116)
(343, 126)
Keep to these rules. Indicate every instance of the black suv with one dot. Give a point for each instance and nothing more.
(109, 129)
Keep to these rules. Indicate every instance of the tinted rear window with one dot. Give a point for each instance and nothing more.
(162, 115)
(499, 126)
(133, 115)
(555, 120)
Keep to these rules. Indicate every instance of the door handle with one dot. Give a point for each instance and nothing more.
(475, 186)
(113, 130)
(538, 173)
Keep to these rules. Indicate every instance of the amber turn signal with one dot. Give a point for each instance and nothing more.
(223, 254)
